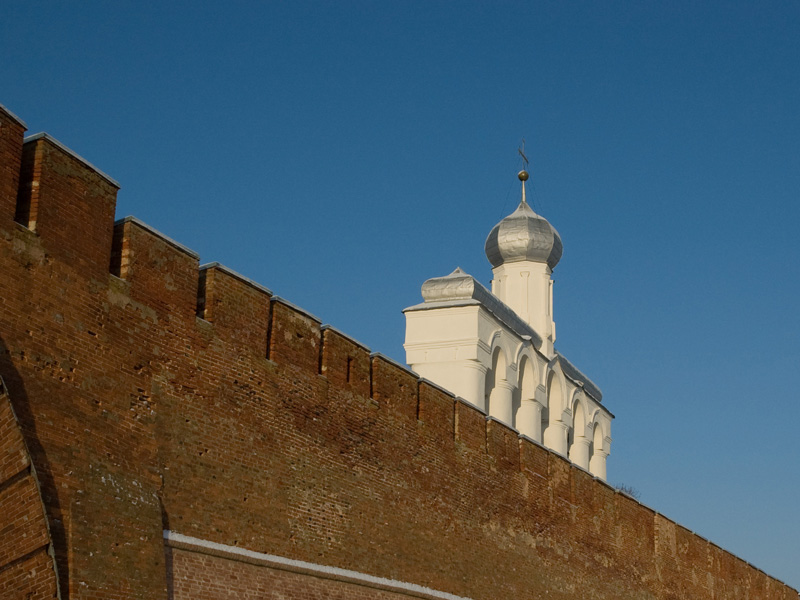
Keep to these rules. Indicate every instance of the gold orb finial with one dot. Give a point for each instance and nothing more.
(523, 175)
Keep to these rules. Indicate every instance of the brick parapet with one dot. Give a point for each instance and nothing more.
(166, 395)
(12, 130)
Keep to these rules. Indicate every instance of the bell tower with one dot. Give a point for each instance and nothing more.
(523, 250)
(495, 349)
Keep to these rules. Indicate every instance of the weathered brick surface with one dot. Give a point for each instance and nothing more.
(24, 527)
(26, 569)
(470, 427)
(60, 195)
(198, 576)
(11, 132)
(31, 578)
(395, 389)
(13, 455)
(153, 396)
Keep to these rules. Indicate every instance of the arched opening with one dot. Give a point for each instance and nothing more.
(597, 438)
(498, 364)
(554, 395)
(555, 434)
(599, 452)
(527, 411)
(578, 442)
(545, 421)
(499, 392)
(578, 420)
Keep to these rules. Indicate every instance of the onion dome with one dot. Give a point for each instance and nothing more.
(523, 236)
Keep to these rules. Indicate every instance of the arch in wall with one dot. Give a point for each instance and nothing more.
(577, 442)
(527, 410)
(598, 451)
(499, 390)
(598, 437)
(578, 417)
(500, 340)
(524, 354)
(527, 377)
(555, 433)
(498, 370)
(593, 421)
(545, 421)
(600, 427)
(523, 350)
(495, 339)
(580, 411)
(555, 394)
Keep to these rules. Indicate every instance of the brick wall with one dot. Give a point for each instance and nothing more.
(26, 567)
(154, 395)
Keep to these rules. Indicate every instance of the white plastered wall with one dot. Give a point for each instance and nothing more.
(527, 288)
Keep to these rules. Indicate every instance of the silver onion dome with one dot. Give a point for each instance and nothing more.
(523, 235)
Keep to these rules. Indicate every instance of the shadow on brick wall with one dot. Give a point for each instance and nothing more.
(44, 473)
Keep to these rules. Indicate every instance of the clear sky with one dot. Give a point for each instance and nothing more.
(342, 153)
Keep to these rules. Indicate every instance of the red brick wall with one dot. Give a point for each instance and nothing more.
(153, 395)
(26, 568)
(196, 576)
(11, 132)
(71, 342)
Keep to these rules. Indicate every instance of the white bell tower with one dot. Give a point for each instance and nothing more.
(524, 249)
(495, 350)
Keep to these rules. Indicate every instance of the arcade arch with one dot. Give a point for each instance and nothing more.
(555, 436)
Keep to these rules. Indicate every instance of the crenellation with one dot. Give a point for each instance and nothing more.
(345, 362)
(349, 338)
(230, 272)
(435, 411)
(68, 203)
(204, 310)
(502, 445)
(161, 273)
(28, 177)
(470, 426)
(394, 388)
(6, 114)
(156, 233)
(12, 132)
(295, 337)
(533, 458)
(74, 155)
(239, 310)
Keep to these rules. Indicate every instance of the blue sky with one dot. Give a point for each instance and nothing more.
(342, 153)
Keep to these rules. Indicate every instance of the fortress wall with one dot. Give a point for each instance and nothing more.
(72, 344)
(158, 395)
